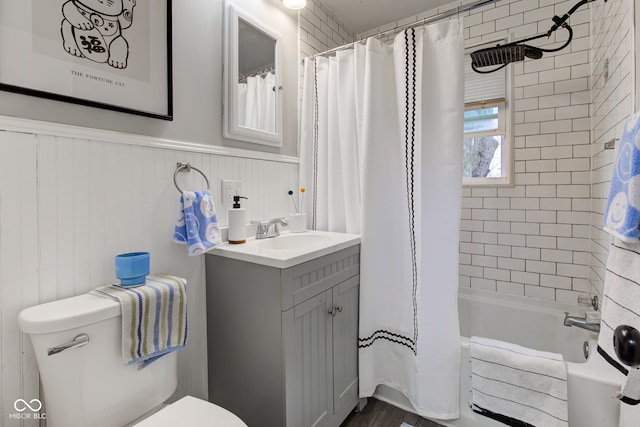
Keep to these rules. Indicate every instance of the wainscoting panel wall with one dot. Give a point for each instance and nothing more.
(73, 198)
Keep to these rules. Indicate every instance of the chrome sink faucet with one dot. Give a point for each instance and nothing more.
(265, 230)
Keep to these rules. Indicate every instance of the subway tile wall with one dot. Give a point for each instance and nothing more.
(533, 239)
(612, 102)
(541, 238)
(320, 30)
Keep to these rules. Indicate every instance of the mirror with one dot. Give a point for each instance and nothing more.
(252, 92)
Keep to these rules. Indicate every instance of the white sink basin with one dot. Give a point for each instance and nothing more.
(288, 249)
(296, 242)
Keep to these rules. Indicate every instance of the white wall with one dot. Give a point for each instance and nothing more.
(197, 81)
(72, 197)
(612, 102)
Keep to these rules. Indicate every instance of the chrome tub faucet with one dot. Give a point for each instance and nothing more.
(580, 322)
(589, 302)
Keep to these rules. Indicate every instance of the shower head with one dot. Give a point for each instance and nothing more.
(505, 54)
(497, 55)
(500, 56)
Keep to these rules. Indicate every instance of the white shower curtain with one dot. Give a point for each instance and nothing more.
(257, 103)
(380, 154)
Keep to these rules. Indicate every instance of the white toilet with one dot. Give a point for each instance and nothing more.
(87, 384)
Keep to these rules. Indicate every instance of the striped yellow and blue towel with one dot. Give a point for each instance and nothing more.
(154, 317)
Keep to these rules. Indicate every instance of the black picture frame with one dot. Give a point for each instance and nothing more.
(95, 67)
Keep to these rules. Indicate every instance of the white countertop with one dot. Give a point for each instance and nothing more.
(288, 249)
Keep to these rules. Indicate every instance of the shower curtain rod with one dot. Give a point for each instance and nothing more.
(443, 15)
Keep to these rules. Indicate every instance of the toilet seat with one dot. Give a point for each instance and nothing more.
(193, 412)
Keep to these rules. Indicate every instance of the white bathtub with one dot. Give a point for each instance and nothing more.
(535, 324)
(538, 324)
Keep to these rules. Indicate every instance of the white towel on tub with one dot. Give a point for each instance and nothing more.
(621, 306)
(517, 385)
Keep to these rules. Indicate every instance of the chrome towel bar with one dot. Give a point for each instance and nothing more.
(186, 167)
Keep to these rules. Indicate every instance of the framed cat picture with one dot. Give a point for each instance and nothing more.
(113, 54)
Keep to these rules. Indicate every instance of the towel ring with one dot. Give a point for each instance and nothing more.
(187, 168)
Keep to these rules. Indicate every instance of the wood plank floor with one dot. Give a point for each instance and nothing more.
(381, 414)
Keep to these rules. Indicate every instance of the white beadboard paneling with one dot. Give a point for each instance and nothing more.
(112, 221)
(18, 266)
(165, 205)
(123, 205)
(8, 166)
(29, 276)
(69, 204)
(48, 213)
(97, 211)
(66, 218)
(79, 201)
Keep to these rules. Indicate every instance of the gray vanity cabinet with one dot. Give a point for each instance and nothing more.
(282, 343)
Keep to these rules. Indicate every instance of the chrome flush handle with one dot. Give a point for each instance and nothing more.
(79, 341)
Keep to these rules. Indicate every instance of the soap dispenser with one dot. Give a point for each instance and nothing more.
(237, 222)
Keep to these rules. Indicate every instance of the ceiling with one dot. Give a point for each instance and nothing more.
(362, 15)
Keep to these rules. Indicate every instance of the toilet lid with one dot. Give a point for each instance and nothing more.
(192, 412)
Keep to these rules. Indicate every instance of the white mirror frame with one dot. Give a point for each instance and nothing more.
(231, 129)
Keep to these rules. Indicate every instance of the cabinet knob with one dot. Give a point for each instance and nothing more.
(335, 309)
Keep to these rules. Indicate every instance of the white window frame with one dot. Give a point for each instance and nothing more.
(505, 126)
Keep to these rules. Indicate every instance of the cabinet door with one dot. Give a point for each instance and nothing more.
(308, 371)
(345, 345)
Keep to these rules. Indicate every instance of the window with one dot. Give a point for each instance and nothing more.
(487, 145)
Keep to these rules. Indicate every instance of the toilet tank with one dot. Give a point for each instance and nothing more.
(91, 385)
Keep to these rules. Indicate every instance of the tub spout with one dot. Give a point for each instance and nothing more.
(580, 322)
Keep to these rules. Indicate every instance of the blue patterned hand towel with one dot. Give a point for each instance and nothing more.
(154, 317)
(622, 214)
(197, 225)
